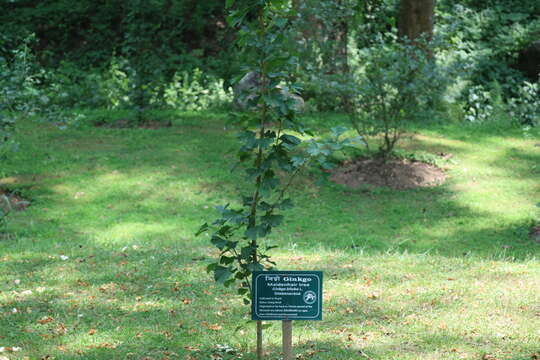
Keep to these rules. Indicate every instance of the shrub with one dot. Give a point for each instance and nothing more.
(196, 92)
(399, 83)
(18, 92)
(525, 107)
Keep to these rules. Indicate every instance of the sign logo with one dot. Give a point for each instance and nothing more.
(310, 297)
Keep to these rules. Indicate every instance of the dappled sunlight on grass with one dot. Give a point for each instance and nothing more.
(107, 251)
(129, 231)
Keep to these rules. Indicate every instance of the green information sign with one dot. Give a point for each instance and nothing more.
(287, 295)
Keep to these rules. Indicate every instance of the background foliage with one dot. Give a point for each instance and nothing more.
(176, 53)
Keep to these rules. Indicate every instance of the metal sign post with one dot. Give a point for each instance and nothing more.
(287, 296)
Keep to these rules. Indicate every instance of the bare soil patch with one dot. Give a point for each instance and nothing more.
(393, 173)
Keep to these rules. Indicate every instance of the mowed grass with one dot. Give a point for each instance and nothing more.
(104, 264)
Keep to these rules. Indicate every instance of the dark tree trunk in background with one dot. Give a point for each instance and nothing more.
(416, 19)
(337, 34)
(340, 36)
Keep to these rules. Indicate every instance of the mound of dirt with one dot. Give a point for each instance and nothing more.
(394, 173)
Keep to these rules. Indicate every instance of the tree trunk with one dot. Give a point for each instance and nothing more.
(416, 19)
(336, 59)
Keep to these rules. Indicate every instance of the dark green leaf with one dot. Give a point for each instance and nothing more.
(221, 274)
(226, 260)
(243, 291)
(203, 228)
(255, 267)
(290, 139)
(211, 267)
(251, 233)
(286, 204)
(229, 282)
(272, 220)
(219, 242)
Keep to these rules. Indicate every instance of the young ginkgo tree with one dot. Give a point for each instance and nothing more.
(272, 150)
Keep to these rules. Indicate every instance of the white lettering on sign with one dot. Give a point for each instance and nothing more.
(299, 279)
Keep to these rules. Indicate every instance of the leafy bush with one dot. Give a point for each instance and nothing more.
(399, 83)
(482, 104)
(68, 87)
(486, 37)
(486, 104)
(196, 92)
(525, 107)
(18, 93)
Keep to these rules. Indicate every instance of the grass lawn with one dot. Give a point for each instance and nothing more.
(104, 263)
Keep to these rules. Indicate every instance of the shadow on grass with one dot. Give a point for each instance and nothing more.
(125, 213)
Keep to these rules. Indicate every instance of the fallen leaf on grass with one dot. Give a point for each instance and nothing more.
(82, 283)
(61, 329)
(92, 332)
(215, 327)
(45, 320)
